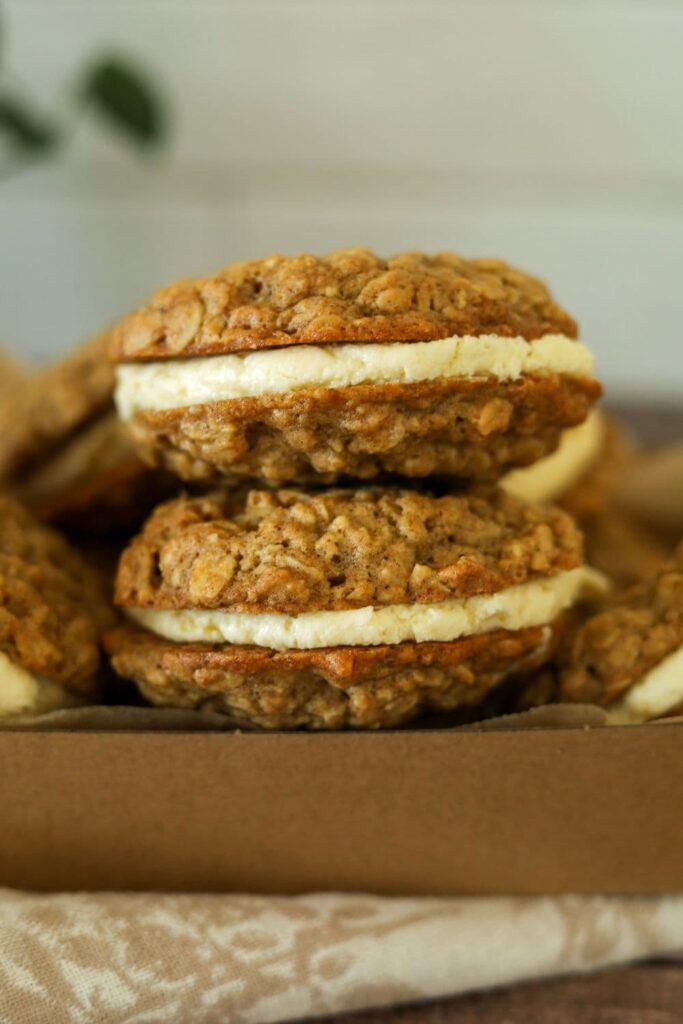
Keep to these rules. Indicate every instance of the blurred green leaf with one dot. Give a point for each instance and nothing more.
(126, 98)
(24, 129)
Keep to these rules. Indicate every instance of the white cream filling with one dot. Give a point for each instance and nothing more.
(545, 480)
(534, 603)
(22, 693)
(177, 383)
(659, 691)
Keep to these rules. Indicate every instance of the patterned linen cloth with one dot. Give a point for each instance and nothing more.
(142, 958)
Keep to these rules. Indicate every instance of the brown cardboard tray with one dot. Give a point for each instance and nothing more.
(524, 811)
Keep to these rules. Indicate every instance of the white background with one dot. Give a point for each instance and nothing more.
(549, 133)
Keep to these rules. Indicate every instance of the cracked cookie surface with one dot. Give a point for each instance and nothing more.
(292, 552)
(348, 295)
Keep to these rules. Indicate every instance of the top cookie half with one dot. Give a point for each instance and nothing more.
(312, 369)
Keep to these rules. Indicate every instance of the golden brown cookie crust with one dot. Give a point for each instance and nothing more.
(51, 605)
(348, 295)
(616, 647)
(291, 552)
(328, 688)
(467, 428)
(51, 405)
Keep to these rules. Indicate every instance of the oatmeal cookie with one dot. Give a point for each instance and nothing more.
(624, 549)
(326, 688)
(344, 607)
(95, 483)
(54, 404)
(293, 552)
(629, 655)
(52, 611)
(583, 474)
(592, 493)
(65, 455)
(348, 295)
(305, 369)
(469, 429)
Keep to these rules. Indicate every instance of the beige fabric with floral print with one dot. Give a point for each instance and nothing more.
(143, 959)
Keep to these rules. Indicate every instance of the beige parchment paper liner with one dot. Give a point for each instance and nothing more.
(99, 718)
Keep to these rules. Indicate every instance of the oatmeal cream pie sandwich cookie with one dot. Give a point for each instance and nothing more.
(350, 608)
(313, 369)
(584, 476)
(584, 472)
(52, 612)
(65, 454)
(629, 656)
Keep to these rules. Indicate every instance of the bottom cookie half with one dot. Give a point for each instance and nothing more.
(327, 688)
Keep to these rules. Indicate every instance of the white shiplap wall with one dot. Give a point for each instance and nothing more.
(550, 133)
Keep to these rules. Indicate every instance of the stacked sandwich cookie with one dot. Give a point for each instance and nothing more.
(377, 592)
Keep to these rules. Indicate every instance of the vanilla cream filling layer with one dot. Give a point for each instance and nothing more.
(545, 480)
(534, 603)
(177, 383)
(659, 691)
(22, 693)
